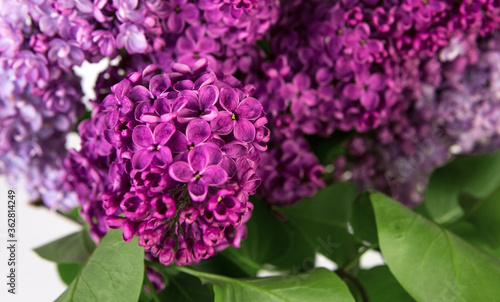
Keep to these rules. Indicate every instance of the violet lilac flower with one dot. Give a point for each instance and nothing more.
(164, 170)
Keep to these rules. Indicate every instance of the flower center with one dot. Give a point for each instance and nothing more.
(177, 9)
(219, 199)
(234, 116)
(339, 31)
(197, 175)
(362, 42)
(196, 55)
(425, 2)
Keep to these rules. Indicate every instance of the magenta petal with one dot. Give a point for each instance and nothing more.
(206, 44)
(183, 85)
(178, 142)
(370, 100)
(185, 45)
(376, 82)
(163, 132)
(179, 103)
(175, 23)
(142, 136)
(204, 80)
(235, 149)
(197, 131)
(109, 103)
(198, 190)
(214, 154)
(198, 158)
(142, 159)
(111, 119)
(162, 106)
(181, 172)
(139, 94)
(190, 11)
(249, 109)
(208, 96)
(214, 175)
(222, 124)
(162, 157)
(229, 99)
(159, 84)
(351, 91)
(229, 166)
(244, 131)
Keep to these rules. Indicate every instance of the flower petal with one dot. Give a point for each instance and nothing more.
(214, 175)
(163, 132)
(159, 84)
(142, 136)
(180, 171)
(139, 94)
(228, 99)
(198, 158)
(178, 142)
(162, 157)
(197, 131)
(198, 190)
(109, 103)
(249, 109)
(208, 95)
(142, 159)
(222, 124)
(244, 131)
(351, 91)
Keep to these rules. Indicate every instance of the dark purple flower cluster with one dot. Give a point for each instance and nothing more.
(454, 111)
(171, 158)
(355, 65)
(39, 105)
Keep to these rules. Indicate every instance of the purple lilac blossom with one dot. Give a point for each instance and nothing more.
(39, 105)
(345, 66)
(174, 182)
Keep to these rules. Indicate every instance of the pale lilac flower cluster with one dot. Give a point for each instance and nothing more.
(171, 159)
(84, 29)
(39, 105)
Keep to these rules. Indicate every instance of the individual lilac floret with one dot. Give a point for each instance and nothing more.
(164, 174)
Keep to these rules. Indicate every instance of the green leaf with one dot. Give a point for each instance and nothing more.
(486, 217)
(114, 272)
(229, 262)
(327, 148)
(183, 287)
(363, 219)
(469, 232)
(270, 240)
(381, 286)
(68, 271)
(322, 222)
(430, 262)
(317, 285)
(74, 248)
(474, 175)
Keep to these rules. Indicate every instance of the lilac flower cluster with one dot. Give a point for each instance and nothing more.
(171, 159)
(458, 115)
(356, 65)
(77, 30)
(39, 105)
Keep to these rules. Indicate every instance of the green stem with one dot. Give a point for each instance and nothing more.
(356, 259)
(151, 288)
(348, 277)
